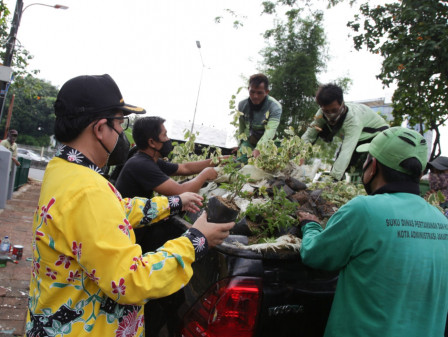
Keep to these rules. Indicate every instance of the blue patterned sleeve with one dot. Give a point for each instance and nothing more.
(154, 210)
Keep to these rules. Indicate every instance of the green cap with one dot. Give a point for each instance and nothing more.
(396, 144)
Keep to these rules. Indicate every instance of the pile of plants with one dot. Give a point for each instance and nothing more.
(266, 209)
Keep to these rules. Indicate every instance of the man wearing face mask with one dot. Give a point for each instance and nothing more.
(354, 123)
(147, 171)
(89, 277)
(390, 247)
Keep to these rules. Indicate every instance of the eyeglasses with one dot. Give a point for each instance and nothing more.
(124, 123)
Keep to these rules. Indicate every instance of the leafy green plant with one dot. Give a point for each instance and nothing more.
(236, 179)
(340, 192)
(276, 215)
(185, 152)
(276, 155)
(436, 199)
(236, 114)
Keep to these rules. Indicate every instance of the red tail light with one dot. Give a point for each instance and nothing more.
(229, 308)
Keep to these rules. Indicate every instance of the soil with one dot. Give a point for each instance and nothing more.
(220, 210)
(228, 203)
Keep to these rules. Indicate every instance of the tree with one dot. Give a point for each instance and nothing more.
(4, 13)
(33, 112)
(412, 36)
(292, 60)
(21, 55)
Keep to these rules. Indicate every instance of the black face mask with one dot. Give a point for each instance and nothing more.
(166, 149)
(120, 152)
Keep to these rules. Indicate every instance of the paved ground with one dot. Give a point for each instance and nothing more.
(16, 222)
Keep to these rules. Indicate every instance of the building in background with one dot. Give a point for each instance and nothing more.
(385, 110)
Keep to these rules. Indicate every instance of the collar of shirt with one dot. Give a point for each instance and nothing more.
(74, 156)
(399, 187)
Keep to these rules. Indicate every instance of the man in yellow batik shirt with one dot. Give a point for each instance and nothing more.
(89, 278)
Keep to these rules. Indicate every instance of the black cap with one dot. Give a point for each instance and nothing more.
(440, 163)
(84, 95)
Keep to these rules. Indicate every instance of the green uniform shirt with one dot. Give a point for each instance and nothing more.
(359, 116)
(392, 252)
(264, 121)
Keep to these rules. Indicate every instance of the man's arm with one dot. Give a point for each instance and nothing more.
(331, 248)
(172, 187)
(194, 167)
(311, 134)
(15, 161)
(351, 130)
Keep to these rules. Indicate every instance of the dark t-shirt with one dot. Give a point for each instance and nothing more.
(141, 174)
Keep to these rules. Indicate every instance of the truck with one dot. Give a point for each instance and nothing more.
(240, 292)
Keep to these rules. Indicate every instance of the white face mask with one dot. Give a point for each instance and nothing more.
(333, 116)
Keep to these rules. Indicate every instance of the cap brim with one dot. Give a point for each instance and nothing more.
(131, 109)
(363, 148)
(437, 166)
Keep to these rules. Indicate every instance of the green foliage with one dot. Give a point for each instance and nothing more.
(293, 58)
(275, 157)
(33, 112)
(435, 198)
(185, 152)
(412, 36)
(235, 114)
(270, 7)
(21, 55)
(276, 215)
(238, 20)
(236, 178)
(338, 193)
(4, 14)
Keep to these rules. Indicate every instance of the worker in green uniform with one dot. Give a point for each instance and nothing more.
(354, 123)
(390, 246)
(261, 116)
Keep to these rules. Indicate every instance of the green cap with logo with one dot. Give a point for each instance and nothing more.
(396, 144)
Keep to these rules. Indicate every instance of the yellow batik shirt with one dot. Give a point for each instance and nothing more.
(89, 278)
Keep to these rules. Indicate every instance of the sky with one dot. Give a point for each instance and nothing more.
(149, 48)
